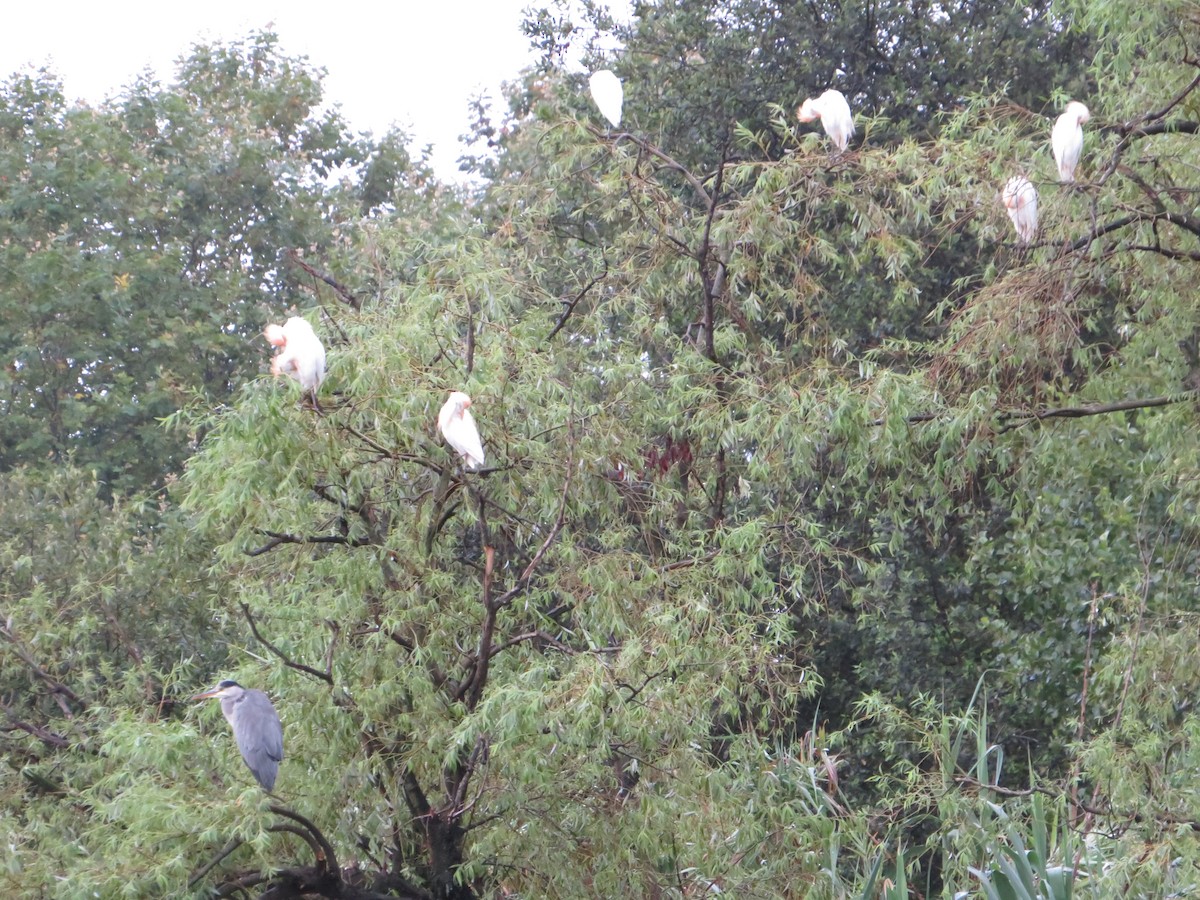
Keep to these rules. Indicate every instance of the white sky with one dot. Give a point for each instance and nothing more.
(414, 63)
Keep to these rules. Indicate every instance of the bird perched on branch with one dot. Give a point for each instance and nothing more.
(608, 95)
(301, 355)
(255, 726)
(1020, 199)
(834, 112)
(458, 428)
(1066, 140)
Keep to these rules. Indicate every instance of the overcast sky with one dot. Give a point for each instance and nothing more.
(414, 63)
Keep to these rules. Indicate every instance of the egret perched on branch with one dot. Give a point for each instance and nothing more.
(608, 94)
(458, 428)
(1020, 199)
(1066, 140)
(302, 356)
(834, 112)
(255, 727)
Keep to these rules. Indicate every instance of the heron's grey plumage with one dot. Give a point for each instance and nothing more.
(256, 728)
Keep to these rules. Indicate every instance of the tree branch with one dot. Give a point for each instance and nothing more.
(1015, 419)
(536, 634)
(460, 792)
(304, 836)
(388, 453)
(326, 858)
(483, 656)
(326, 676)
(670, 163)
(522, 583)
(279, 537)
(43, 734)
(340, 289)
(1168, 253)
(233, 844)
(57, 688)
(569, 305)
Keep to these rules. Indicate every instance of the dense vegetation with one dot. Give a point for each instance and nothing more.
(831, 543)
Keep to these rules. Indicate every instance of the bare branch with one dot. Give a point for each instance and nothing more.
(233, 844)
(569, 305)
(536, 634)
(670, 163)
(303, 835)
(483, 657)
(1179, 98)
(1167, 252)
(60, 691)
(693, 561)
(326, 858)
(340, 289)
(388, 453)
(43, 734)
(1014, 419)
(460, 793)
(279, 537)
(1104, 229)
(326, 676)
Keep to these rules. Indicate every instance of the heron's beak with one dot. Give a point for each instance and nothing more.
(205, 695)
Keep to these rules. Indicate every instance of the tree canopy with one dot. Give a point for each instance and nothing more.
(831, 542)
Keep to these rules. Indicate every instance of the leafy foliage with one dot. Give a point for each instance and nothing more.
(831, 543)
(145, 243)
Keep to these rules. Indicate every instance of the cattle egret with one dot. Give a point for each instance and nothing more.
(834, 112)
(1066, 140)
(608, 95)
(256, 728)
(1020, 199)
(458, 427)
(302, 356)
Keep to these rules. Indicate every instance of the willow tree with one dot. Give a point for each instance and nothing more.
(751, 595)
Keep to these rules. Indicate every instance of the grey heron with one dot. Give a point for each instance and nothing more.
(255, 727)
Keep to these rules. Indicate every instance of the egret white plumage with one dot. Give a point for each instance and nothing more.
(1066, 140)
(256, 728)
(458, 428)
(302, 355)
(834, 112)
(608, 95)
(1020, 199)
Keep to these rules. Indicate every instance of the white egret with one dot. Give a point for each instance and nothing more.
(834, 112)
(1066, 140)
(458, 428)
(302, 356)
(608, 94)
(255, 726)
(1020, 199)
